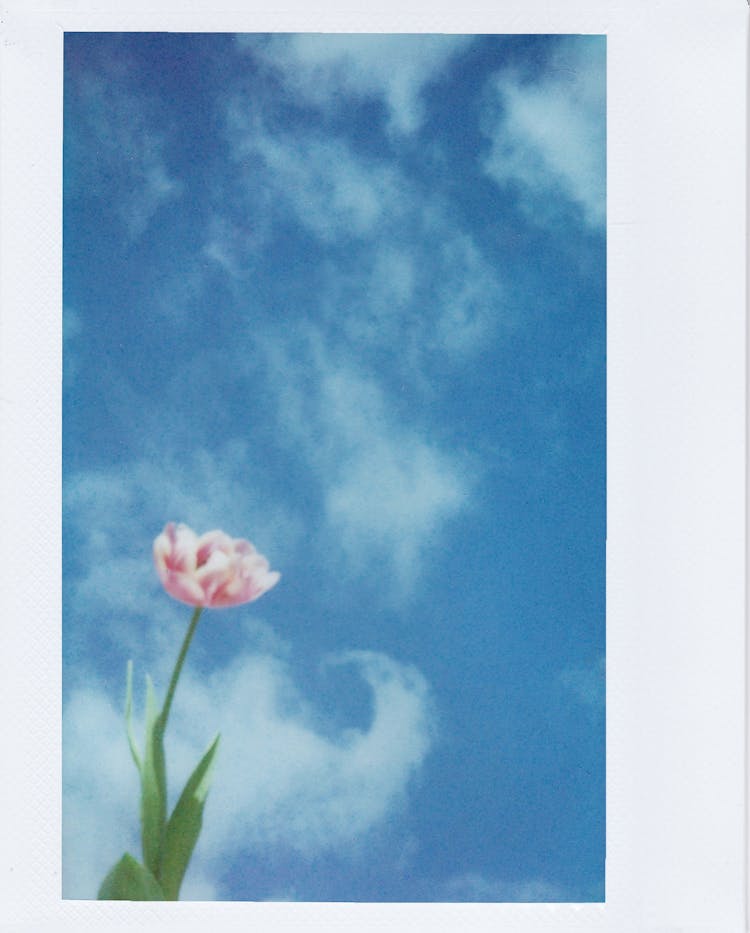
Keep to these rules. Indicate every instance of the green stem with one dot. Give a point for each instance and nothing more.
(178, 666)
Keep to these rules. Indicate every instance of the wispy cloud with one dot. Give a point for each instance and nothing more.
(400, 293)
(202, 488)
(331, 191)
(280, 782)
(428, 306)
(397, 272)
(96, 796)
(393, 69)
(478, 887)
(394, 487)
(387, 487)
(547, 133)
(114, 145)
(233, 244)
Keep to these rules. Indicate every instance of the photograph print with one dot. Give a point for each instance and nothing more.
(334, 476)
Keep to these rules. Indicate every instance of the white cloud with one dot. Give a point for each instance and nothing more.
(470, 297)
(394, 499)
(94, 740)
(477, 887)
(279, 781)
(387, 487)
(428, 303)
(332, 191)
(325, 70)
(203, 488)
(413, 281)
(393, 488)
(548, 134)
(114, 142)
(232, 246)
(413, 289)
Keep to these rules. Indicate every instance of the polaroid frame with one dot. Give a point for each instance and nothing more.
(676, 786)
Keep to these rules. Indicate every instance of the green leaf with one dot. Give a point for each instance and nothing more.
(128, 711)
(153, 785)
(184, 825)
(130, 881)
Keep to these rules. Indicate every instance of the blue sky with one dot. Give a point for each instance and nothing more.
(343, 296)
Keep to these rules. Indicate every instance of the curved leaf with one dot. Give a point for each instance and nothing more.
(153, 785)
(184, 825)
(130, 881)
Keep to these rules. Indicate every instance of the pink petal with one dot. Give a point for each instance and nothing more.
(243, 587)
(183, 587)
(210, 542)
(162, 549)
(244, 547)
(183, 542)
(217, 572)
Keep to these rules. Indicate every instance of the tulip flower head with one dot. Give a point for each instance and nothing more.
(210, 571)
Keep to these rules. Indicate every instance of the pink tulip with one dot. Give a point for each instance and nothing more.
(212, 570)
